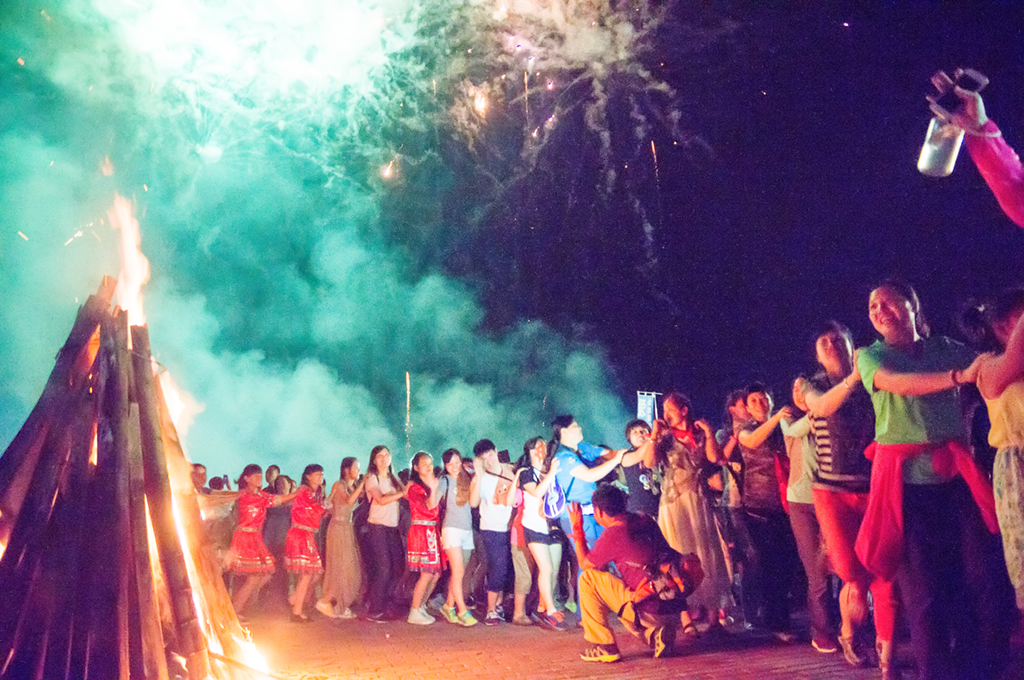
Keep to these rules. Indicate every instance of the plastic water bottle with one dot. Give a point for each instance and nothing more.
(940, 149)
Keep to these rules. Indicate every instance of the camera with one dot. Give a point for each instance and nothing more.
(945, 103)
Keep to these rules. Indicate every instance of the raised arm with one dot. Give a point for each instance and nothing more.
(711, 448)
(474, 487)
(824, 404)
(595, 474)
(538, 489)
(754, 438)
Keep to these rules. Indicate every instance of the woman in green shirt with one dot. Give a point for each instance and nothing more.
(921, 524)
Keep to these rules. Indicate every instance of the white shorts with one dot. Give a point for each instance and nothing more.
(452, 537)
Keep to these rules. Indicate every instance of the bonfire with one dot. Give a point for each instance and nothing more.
(103, 569)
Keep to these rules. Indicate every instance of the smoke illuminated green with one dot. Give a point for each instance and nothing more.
(285, 159)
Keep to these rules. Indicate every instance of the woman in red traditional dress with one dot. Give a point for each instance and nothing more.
(301, 556)
(248, 554)
(424, 546)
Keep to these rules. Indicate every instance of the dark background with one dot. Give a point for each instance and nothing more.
(791, 190)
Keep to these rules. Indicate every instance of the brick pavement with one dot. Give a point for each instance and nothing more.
(399, 651)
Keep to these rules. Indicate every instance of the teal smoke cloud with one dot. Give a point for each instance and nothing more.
(286, 160)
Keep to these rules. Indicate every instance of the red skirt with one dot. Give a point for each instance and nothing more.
(424, 549)
(300, 553)
(249, 555)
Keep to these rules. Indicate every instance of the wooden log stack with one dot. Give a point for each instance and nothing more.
(96, 579)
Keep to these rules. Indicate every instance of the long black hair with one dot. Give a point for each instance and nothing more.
(346, 463)
(250, 469)
(371, 468)
(313, 468)
(525, 461)
(978, 319)
(557, 425)
(414, 474)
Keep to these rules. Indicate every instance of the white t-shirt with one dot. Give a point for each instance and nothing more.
(493, 517)
(534, 518)
(385, 515)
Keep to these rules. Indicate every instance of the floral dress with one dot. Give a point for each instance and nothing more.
(686, 519)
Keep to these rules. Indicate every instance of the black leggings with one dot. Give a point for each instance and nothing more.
(385, 561)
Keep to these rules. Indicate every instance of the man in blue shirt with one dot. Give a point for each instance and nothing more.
(580, 467)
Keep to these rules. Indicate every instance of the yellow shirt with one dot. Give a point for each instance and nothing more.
(1006, 412)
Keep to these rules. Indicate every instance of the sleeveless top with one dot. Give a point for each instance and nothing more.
(1006, 412)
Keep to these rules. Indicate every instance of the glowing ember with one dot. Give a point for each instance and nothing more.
(94, 455)
(106, 167)
(134, 265)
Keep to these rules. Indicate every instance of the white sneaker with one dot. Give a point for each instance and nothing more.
(348, 614)
(326, 608)
(420, 618)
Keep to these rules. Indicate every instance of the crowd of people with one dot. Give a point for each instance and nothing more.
(864, 493)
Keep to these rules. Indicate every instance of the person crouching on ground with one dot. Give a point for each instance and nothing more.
(633, 542)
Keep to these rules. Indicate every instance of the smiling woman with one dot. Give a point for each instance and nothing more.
(922, 483)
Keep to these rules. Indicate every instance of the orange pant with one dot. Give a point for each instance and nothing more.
(840, 514)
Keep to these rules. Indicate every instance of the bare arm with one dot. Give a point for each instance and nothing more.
(538, 489)
(594, 474)
(711, 448)
(288, 498)
(911, 384)
(996, 373)
(474, 489)
(753, 439)
(579, 540)
(824, 404)
(381, 498)
(729, 447)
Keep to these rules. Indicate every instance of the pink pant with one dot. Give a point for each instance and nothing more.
(840, 514)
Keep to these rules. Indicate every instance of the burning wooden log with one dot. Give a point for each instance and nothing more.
(101, 573)
(161, 508)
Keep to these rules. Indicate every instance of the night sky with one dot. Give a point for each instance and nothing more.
(335, 195)
(802, 194)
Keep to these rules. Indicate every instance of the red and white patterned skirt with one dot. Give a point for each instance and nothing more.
(248, 553)
(424, 548)
(300, 553)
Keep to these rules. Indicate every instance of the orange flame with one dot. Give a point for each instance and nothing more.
(134, 265)
(182, 405)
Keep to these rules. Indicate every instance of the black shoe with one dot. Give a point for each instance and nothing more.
(301, 618)
(378, 617)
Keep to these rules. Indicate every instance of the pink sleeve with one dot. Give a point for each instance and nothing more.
(1001, 168)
